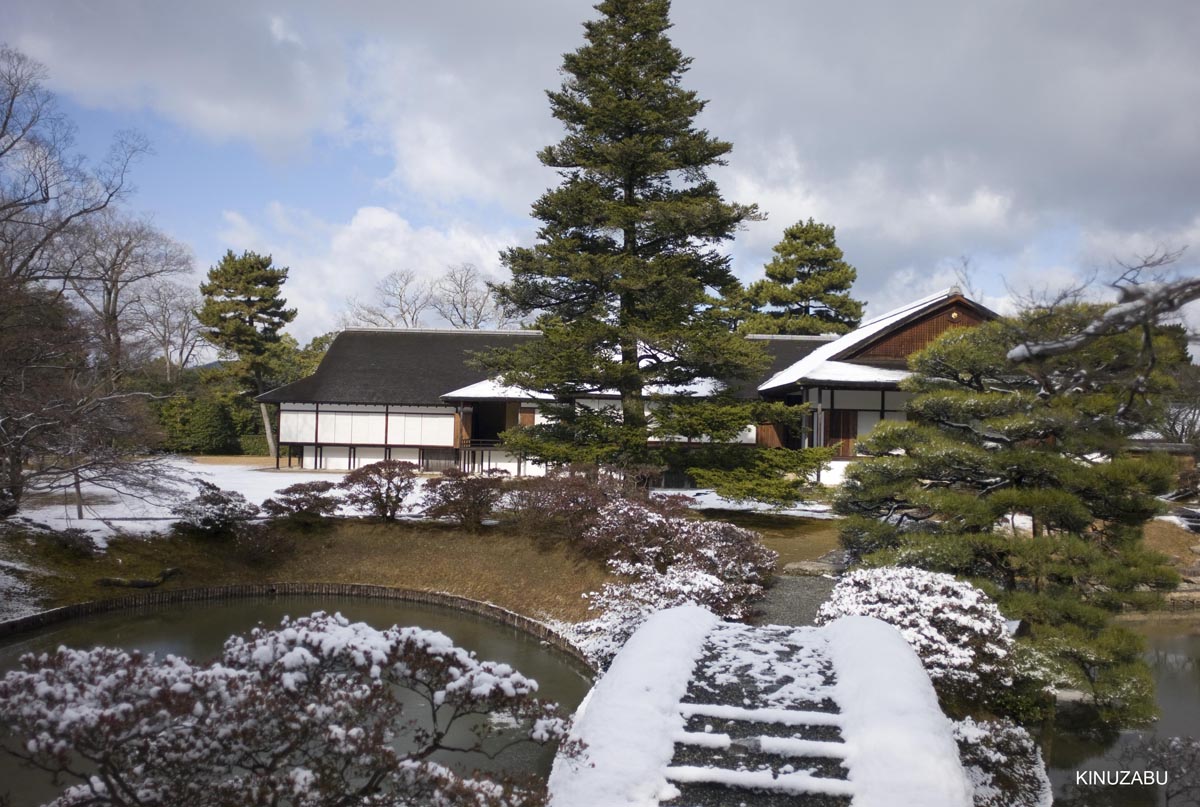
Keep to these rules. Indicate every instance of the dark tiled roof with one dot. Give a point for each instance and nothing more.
(395, 366)
(784, 352)
(365, 366)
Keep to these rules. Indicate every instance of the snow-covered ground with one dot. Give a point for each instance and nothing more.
(16, 599)
(114, 513)
(127, 514)
(709, 500)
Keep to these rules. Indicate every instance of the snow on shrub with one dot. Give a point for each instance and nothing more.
(311, 713)
(1004, 763)
(214, 511)
(304, 501)
(958, 632)
(380, 488)
(466, 499)
(561, 504)
(664, 561)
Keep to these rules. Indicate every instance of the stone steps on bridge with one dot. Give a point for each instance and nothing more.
(761, 725)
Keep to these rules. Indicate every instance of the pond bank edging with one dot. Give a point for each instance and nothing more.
(512, 619)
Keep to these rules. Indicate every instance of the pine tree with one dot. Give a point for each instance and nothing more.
(1019, 477)
(807, 287)
(243, 315)
(627, 273)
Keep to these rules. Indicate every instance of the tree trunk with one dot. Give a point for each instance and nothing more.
(78, 497)
(266, 418)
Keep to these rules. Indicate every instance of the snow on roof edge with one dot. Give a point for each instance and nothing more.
(801, 369)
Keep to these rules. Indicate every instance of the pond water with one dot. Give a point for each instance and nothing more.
(1173, 651)
(198, 630)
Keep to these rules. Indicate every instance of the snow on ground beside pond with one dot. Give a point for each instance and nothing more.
(16, 598)
(709, 500)
(113, 513)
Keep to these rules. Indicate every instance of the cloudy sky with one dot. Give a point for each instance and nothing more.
(1041, 140)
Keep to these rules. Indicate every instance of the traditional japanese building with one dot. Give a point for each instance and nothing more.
(853, 382)
(416, 394)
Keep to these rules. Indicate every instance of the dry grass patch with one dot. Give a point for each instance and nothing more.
(238, 459)
(498, 566)
(795, 539)
(1173, 540)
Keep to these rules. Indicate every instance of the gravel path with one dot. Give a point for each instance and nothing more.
(794, 600)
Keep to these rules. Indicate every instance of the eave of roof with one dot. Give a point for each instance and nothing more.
(824, 365)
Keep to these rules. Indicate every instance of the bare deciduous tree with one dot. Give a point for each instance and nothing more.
(114, 258)
(400, 299)
(164, 313)
(462, 297)
(60, 424)
(45, 186)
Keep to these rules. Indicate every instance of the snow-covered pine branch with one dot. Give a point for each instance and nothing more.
(1141, 303)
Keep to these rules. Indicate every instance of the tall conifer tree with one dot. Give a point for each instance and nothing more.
(807, 287)
(627, 274)
(243, 315)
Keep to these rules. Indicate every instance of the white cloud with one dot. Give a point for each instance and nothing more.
(922, 130)
(330, 261)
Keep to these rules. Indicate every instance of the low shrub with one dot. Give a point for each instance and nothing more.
(464, 498)
(1003, 763)
(214, 511)
(381, 488)
(665, 559)
(304, 501)
(560, 505)
(72, 541)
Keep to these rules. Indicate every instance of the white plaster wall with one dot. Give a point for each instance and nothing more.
(412, 455)
(297, 426)
(835, 473)
(335, 458)
(854, 399)
(367, 455)
(421, 430)
(866, 422)
(897, 400)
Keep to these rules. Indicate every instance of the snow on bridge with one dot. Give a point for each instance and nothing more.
(695, 712)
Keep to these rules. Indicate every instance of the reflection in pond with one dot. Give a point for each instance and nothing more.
(1173, 652)
(198, 631)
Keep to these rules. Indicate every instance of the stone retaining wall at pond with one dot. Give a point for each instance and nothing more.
(214, 593)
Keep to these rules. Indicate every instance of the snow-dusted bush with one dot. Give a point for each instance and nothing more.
(311, 713)
(958, 632)
(622, 607)
(214, 511)
(665, 561)
(559, 505)
(304, 501)
(380, 488)
(464, 498)
(1004, 763)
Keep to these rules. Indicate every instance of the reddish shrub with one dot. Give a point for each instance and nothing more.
(304, 500)
(380, 488)
(464, 498)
